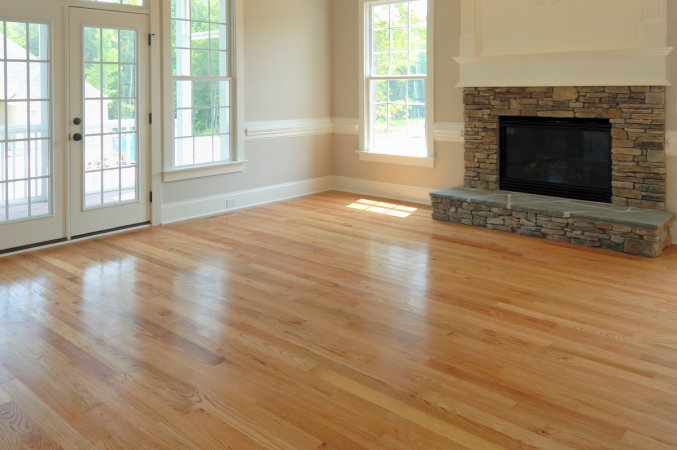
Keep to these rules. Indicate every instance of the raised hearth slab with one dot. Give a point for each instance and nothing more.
(631, 230)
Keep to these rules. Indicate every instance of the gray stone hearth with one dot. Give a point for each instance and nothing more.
(626, 229)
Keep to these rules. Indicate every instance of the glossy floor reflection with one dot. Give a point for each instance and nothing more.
(312, 323)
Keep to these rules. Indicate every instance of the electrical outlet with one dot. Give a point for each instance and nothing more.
(231, 203)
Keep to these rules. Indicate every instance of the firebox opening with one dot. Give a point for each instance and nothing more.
(560, 157)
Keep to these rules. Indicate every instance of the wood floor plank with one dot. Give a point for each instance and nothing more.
(310, 324)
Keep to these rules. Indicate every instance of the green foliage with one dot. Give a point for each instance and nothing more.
(399, 39)
(27, 36)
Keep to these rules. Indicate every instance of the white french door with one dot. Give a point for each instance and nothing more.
(32, 143)
(74, 138)
(109, 139)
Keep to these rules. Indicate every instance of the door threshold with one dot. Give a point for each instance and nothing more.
(110, 231)
(66, 241)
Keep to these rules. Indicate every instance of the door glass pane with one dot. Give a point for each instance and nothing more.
(111, 115)
(25, 121)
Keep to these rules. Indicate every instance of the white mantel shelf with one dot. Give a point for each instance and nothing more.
(624, 67)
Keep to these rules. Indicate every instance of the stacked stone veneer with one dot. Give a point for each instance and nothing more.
(641, 233)
(636, 113)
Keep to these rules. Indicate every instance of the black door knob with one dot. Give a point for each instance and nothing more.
(77, 137)
(77, 121)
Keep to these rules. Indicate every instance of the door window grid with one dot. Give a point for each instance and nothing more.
(25, 121)
(201, 69)
(110, 150)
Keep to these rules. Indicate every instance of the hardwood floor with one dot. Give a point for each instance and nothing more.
(312, 324)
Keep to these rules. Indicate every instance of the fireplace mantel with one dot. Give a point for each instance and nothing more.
(525, 43)
(626, 67)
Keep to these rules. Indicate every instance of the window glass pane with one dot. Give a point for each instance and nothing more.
(109, 45)
(39, 118)
(93, 189)
(183, 152)
(218, 11)
(199, 63)
(38, 39)
(180, 33)
(199, 10)
(128, 182)
(92, 44)
(17, 40)
(199, 34)
(127, 46)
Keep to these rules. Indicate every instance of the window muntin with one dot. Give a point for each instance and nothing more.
(202, 82)
(396, 68)
(25, 121)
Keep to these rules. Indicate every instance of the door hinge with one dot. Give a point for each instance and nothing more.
(150, 118)
(151, 196)
(150, 39)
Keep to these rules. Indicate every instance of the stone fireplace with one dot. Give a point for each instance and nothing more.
(566, 60)
(636, 114)
(634, 222)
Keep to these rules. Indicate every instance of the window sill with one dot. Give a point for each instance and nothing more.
(416, 161)
(186, 173)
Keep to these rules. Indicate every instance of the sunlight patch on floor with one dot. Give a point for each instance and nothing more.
(389, 209)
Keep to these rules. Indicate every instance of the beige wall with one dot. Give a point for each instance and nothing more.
(551, 22)
(287, 76)
(672, 112)
(286, 59)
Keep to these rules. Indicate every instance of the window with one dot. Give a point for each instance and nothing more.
(202, 83)
(396, 86)
(25, 121)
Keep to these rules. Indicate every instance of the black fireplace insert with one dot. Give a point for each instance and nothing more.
(560, 157)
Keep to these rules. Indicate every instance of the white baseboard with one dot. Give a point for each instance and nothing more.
(394, 191)
(218, 204)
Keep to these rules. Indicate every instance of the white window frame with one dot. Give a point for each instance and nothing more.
(97, 4)
(365, 153)
(170, 171)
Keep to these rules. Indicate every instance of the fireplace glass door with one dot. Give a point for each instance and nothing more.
(568, 158)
